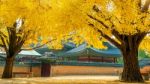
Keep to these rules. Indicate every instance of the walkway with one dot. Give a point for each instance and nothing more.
(65, 80)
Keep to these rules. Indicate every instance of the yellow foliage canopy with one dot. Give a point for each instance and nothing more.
(42, 17)
(49, 19)
(60, 18)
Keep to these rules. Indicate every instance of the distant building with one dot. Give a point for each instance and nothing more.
(83, 53)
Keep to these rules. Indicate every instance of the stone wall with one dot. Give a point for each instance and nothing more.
(36, 70)
(84, 70)
(72, 70)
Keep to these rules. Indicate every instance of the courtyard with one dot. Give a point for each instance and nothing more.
(74, 41)
(76, 79)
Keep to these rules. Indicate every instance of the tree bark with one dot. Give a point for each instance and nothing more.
(131, 71)
(7, 73)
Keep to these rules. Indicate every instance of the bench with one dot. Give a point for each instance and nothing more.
(28, 74)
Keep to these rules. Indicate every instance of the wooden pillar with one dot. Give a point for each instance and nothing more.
(88, 59)
(68, 59)
(114, 60)
(102, 59)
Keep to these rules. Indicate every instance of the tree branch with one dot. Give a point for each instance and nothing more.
(102, 23)
(1, 45)
(146, 6)
(114, 32)
(106, 36)
(117, 35)
(140, 37)
(40, 45)
(4, 44)
(21, 41)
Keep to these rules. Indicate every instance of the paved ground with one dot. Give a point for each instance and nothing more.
(101, 77)
(65, 80)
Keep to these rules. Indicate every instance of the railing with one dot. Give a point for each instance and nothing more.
(77, 63)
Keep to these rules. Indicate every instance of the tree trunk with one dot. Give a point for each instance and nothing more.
(7, 73)
(131, 71)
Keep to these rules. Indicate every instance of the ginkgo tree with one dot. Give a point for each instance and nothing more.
(13, 33)
(23, 22)
(129, 22)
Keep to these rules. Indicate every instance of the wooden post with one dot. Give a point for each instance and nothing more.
(114, 60)
(102, 59)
